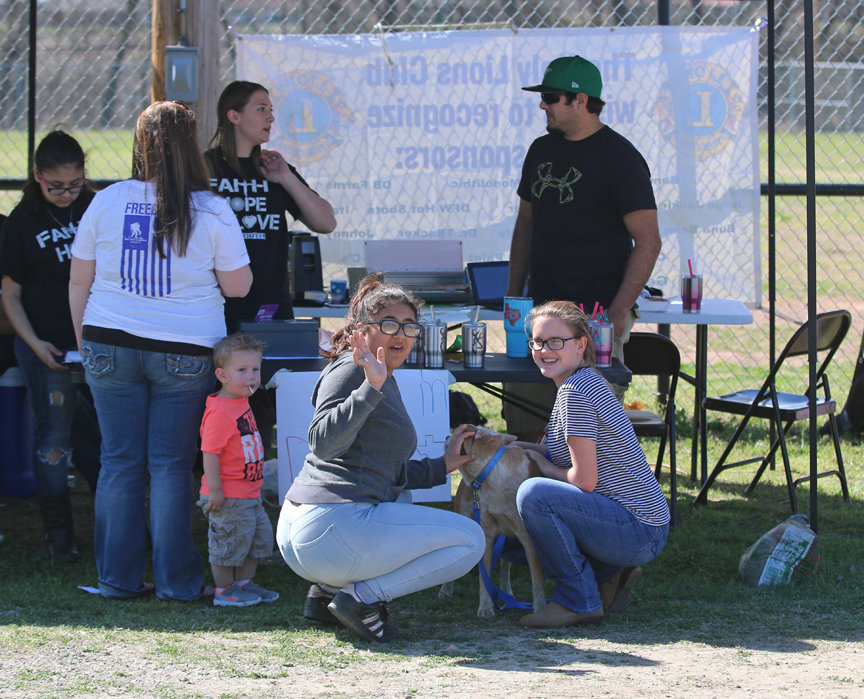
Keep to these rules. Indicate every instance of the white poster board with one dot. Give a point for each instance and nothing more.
(421, 135)
(426, 397)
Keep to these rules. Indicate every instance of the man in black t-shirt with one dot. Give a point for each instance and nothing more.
(586, 229)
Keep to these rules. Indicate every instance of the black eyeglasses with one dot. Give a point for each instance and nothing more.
(551, 97)
(59, 191)
(392, 327)
(553, 343)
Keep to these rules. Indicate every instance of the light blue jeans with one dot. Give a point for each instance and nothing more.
(396, 548)
(150, 406)
(583, 539)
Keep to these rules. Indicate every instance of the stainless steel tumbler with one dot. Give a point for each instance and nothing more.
(434, 344)
(473, 345)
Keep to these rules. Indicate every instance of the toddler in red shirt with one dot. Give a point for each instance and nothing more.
(240, 532)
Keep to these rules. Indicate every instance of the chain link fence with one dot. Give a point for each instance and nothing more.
(93, 77)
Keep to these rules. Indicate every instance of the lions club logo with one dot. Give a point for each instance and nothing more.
(312, 113)
(716, 106)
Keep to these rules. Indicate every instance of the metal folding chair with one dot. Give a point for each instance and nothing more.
(650, 354)
(785, 408)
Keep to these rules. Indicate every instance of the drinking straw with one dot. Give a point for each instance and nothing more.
(594, 313)
(690, 265)
(432, 312)
(602, 314)
(581, 308)
(476, 314)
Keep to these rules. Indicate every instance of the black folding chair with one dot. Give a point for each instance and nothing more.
(650, 354)
(785, 408)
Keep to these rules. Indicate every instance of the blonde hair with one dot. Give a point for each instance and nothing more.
(238, 342)
(570, 313)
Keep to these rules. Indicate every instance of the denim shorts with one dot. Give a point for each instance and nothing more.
(240, 530)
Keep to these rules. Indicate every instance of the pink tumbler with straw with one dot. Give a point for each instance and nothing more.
(602, 336)
(691, 293)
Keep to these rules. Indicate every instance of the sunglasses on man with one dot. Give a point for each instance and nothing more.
(551, 97)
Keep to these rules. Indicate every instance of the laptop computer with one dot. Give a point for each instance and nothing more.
(488, 281)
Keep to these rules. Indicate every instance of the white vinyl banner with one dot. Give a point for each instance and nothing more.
(421, 135)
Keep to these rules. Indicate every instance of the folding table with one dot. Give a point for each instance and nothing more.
(713, 312)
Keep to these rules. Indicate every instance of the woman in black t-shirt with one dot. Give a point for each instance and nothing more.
(261, 187)
(34, 264)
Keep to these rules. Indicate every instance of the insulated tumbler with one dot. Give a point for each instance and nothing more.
(601, 334)
(691, 293)
(434, 344)
(473, 345)
(415, 356)
(516, 309)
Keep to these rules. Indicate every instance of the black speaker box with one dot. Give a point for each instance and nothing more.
(305, 261)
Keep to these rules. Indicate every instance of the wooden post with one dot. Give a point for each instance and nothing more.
(202, 30)
(161, 35)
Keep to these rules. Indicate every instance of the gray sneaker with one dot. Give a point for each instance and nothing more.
(265, 595)
(233, 596)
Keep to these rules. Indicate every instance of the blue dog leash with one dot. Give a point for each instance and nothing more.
(499, 598)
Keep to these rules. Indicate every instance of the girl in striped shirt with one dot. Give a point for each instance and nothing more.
(598, 513)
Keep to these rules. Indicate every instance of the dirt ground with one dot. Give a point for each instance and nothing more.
(606, 664)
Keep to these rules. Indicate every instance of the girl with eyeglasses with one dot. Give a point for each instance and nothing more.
(347, 524)
(598, 513)
(34, 263)
(154, 258)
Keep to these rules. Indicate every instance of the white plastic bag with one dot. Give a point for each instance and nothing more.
(779, 555)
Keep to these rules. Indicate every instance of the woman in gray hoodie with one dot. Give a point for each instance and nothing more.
(347, 523)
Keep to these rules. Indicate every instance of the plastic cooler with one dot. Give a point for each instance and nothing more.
(16, 437)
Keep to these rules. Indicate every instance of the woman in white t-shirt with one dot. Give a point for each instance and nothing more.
(599, 513)
(151, 262)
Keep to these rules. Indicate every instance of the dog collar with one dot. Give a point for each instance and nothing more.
(486, 471)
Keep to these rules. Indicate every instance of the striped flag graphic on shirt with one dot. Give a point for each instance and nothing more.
(142, 270)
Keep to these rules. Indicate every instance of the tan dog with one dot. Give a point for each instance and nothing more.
(497, 504)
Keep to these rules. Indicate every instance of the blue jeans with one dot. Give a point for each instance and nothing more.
(396, 548)
(150, 406)
(53, 398)
(583, 539)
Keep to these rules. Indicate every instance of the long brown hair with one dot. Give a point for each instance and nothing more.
(235, 96)
(371, 296)
(571, 314)
(166, 153)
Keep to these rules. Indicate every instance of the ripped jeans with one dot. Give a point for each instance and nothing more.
(53, 398)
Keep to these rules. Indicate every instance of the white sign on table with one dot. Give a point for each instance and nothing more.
(425, 394)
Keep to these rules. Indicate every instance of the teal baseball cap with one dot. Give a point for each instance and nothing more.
(571, 74)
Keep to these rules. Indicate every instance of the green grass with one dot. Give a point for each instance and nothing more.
(108, 151)
(690, 593)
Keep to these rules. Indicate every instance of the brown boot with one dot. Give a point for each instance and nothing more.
(556, 616)
(608, 589)
(627, 580)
